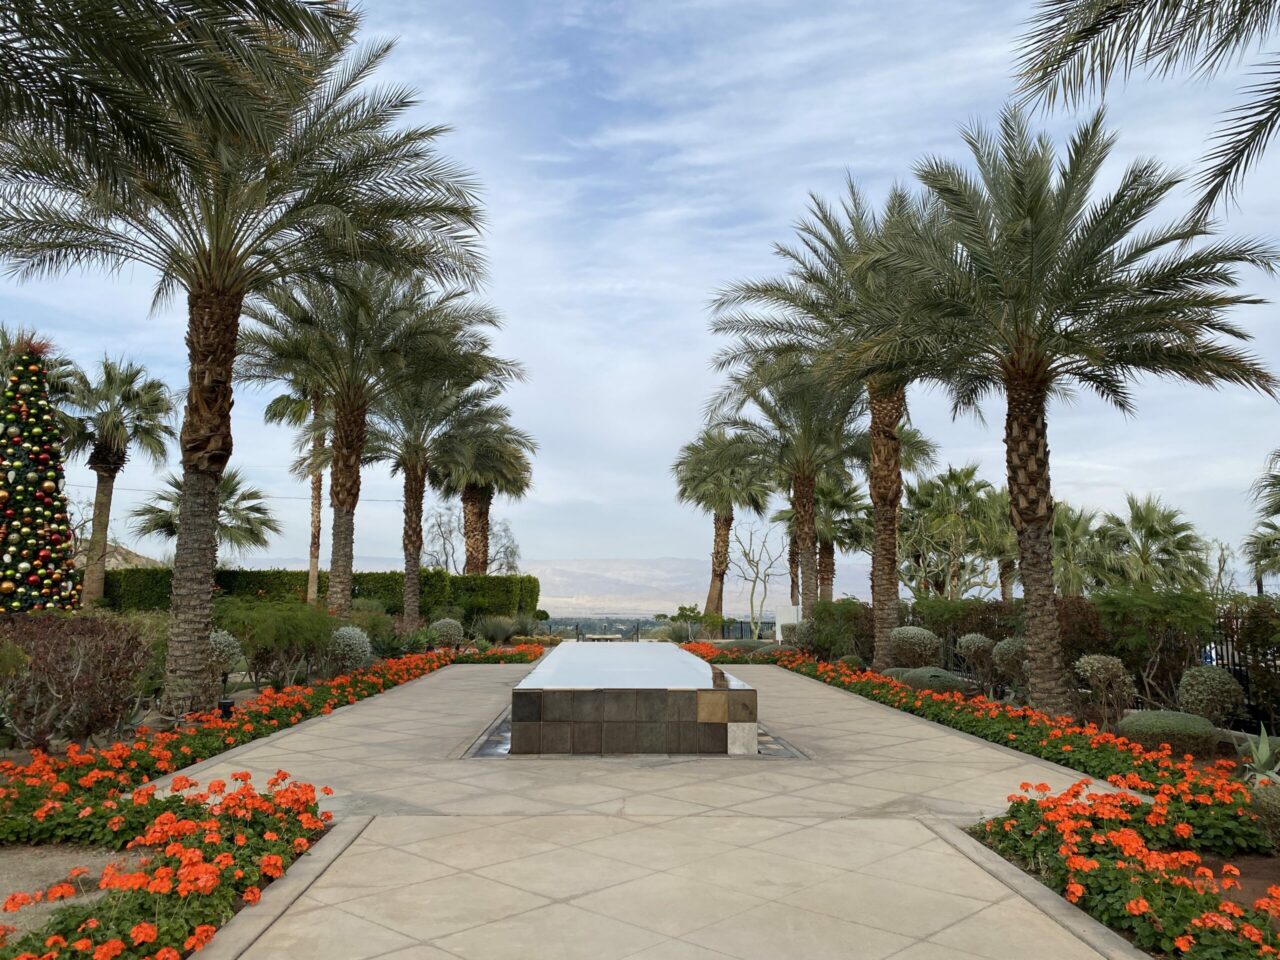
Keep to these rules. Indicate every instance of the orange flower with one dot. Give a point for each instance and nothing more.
(109, 950)
(1137, 906)
(143, 933)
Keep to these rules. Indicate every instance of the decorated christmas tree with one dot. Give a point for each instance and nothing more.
(37, 571)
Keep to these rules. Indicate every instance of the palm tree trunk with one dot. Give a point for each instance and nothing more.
(475, 527)
(887, 407)
(101, 462)
(1026, 439)
(415, 488)
(317, 508)
(1007, 570)
(719, 564)
(350, 428)
(802, 508)
(826, 569)
(213, 323)
(1257, 582)
(793, 566)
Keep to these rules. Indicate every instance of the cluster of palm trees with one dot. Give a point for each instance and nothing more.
(1015, 276)
(237, 148)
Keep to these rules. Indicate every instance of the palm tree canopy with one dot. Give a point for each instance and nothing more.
(720, 472)
(1074, 47)
(244, 520)
(119, 409)
(1077, 551)
(1266, 489)
(1153, 546)
(1043, 284)
(101, 77)
(496, 457)
(842, 512)
(338, 183)
(1262, 548)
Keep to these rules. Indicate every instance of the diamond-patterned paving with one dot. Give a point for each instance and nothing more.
(653, 857)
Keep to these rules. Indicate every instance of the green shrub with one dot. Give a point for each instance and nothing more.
(496, 631)
(838, 627)
(789, 632)
(541, 615)
(745, 646)
(897, 673)
(1158, 634)
(1183, 732)
(224, 651)
(853, 661)
(1111, 688)
(480, 595)
(378, 625)
(1257, 641)
(388, 648)
(368, 605)
(75, 676)
(975, 652)
(914, 647)
(935, 679)
(282, 640)
(1212, 693)
(447, 632)
(952, 619)
(152, 626)
(482, 645)
(1009, 657)
(1266, 804)
(349, 650)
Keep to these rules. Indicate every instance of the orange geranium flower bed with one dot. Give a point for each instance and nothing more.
(206, 851)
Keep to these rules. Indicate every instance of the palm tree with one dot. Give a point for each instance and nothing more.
(833, 294)
(1262, 550)
(719, 473)
(335, 184)
(437, 406)
(1078, 46)
(1040, 287)
(476, 466)
(996, 539)
(121, 409)
(353, 343)
(941, 532)
(304, 407)
(1155, 547)
(802, 428)
(1077, 551)
(100, 77)
(244, 520)
(842, 522)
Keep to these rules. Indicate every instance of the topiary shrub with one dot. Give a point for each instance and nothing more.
(935, 679)
(448, 632)
(975, 652)
(1212, 693)
(224, 651)
(1183, 732)
(789, 632)
(914, 647)
(1009, 657)
(1111, 687)
(349, 650)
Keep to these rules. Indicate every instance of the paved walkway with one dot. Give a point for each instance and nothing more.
(652, 858)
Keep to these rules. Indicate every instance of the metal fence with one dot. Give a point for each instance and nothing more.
(741, 630)
(1256, 669)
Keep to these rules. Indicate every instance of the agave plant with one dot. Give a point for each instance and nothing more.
(1260, 758)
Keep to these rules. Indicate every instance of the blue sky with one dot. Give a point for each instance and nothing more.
(636, 157)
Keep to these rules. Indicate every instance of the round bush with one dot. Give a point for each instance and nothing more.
(853, 661)
(1212, 693)
(914, 647)
(1111, 688)
(349, 649)
(935, 679)
(448, 632)
(975, 648)
(897, 673)
(1010, 659)
(1183, 732)
(1266, 804)
(224, 650)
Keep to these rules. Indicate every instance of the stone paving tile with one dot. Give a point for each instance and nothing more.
(651, 858)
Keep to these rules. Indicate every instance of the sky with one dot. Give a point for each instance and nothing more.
(635, 158)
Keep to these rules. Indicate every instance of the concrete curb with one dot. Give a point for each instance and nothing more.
(243, 930)
(1075, 921)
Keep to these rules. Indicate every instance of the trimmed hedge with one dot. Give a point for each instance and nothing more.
(148, 588)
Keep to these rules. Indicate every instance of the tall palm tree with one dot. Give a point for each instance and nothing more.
(1078, 554)
(834, 293)
(335, 184)
(941, 532)
(802, 428)
(304, 407)
(476, 466)
(100, 76)
(120, 410)
(436, 406)
(719, 473)
(842, 522)
(1153, 546)
(353, 343)
(1262, 550)
(1078, 46)
(245, 522)
(1044, 284)
(997, 541)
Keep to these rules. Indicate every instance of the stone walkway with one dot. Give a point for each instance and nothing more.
(658, 858)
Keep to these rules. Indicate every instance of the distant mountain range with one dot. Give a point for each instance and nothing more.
(629, 588)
